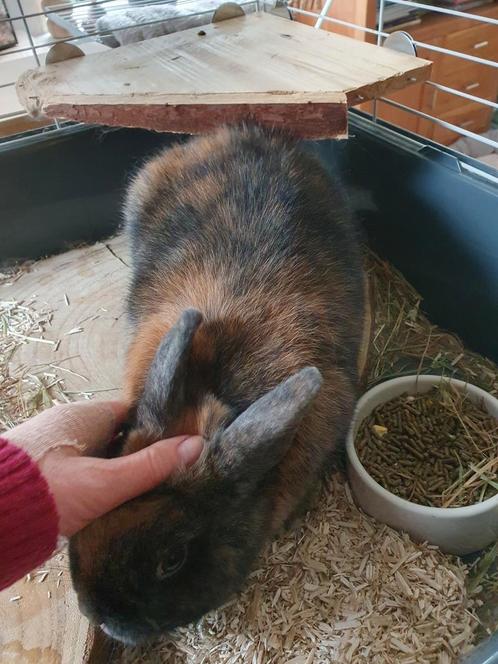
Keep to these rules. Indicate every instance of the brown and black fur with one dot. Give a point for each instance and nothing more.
(249, 232)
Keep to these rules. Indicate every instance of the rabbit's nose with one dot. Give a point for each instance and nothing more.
(117, 632)
(105, 629)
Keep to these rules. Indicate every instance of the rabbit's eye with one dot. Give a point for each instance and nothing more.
(172, 562)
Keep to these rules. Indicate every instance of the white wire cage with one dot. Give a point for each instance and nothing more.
(101, 24)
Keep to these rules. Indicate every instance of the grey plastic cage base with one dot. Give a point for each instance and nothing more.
(382, 168)
(485, 653)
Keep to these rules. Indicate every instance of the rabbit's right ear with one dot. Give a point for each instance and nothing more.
(259, 438)
(164, 390)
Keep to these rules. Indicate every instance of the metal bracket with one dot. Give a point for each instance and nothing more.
(400, 41)
(449, 161)
(278, 8)
(226, 11)
(63, 51)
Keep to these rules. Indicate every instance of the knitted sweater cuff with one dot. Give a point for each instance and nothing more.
(28, 515)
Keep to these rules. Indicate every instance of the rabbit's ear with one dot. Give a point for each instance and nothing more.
(259, 438)
(164, 390)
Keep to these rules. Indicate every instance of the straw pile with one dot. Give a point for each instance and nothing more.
(405, 342)
(30, 389)
(341, 587)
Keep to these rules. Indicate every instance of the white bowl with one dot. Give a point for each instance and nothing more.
(458, 530)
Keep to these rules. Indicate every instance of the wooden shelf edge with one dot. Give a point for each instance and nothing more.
(303, 120)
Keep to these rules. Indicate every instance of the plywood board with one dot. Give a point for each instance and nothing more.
(258, 67)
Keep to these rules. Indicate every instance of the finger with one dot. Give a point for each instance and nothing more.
(86, 426)
(85, 488)
(134, 474)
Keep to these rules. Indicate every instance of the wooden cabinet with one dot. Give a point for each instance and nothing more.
(469, 79)
(354, 12)
(479, 41)
(465, 36)
(473, 117)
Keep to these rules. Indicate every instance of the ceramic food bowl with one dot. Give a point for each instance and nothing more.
(458, 530)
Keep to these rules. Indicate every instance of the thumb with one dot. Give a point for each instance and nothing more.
(134, 474)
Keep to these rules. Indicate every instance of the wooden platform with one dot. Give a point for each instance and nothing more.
(257, 67)
(85, 289)
(40, 622)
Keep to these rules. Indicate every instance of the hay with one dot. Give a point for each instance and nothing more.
(27, 390)
(405, 342)
(481, 572)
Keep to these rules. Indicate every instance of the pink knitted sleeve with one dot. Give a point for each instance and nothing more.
(28, 515)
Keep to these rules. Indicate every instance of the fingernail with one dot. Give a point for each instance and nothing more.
(190, 449)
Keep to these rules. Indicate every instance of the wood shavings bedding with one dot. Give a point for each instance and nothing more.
(339, 588)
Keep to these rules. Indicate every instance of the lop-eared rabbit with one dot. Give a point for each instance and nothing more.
(247, 311)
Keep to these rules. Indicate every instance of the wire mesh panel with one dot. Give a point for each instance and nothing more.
(460, 36)
(94, 25)
(460, 100)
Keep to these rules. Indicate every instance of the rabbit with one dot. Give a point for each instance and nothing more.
(247, 306)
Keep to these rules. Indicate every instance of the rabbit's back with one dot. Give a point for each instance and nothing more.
(258, 222)
(249, 230)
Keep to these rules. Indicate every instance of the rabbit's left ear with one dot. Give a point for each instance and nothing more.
(259, 438)
(164, 390)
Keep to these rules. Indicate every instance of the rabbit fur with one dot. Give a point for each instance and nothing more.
(247, 310)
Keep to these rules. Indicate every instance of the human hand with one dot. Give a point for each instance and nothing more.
(85, 487)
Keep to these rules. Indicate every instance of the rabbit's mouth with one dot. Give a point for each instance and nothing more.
(128, 636)
(117, 635)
